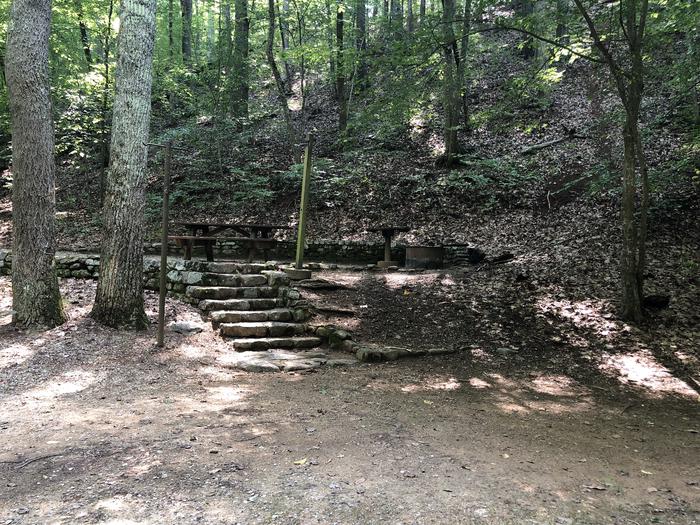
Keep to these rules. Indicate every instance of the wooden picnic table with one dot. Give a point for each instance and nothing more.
(253, 231)
(207, 233)
(388, 233)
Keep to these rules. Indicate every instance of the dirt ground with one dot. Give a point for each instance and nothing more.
(524, 424)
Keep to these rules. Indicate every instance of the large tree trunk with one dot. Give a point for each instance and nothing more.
(239, 66)
(186, 7)
(451, 84)
(36, 300)
(119, 298)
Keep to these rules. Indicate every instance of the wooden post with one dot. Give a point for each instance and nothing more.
(164, 245)
(303, 209)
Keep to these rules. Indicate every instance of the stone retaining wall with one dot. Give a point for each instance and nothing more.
(327, 251)
(181, 274)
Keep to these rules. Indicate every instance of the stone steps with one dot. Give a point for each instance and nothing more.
(248, 304)
(226, 292)
(270, 329)
(251, 316)
(269, 343)
(209, 305)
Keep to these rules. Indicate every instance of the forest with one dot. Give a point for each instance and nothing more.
(350, 261)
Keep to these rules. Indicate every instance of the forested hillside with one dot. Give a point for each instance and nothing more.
(537, 120)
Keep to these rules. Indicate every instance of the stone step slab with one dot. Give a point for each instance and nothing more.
(267, 343)
(226, 279)
(261, 329)
(237, 267)
(225, 292)
(251, 316)
(239, 304)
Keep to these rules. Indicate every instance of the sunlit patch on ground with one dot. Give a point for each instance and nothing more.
(435, 383)
(558, 385)
(68, 383)
(479, 384)
(592, 315)
(14, 354)
(641, 369)
(401, 280)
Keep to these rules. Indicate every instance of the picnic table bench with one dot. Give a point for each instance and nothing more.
(388, 233)
(258, 237)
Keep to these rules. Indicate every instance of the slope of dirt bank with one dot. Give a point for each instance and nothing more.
(99, 427)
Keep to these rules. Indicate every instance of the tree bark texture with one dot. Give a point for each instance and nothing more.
(239, 66)
(629, 79)
(361, 42)
(119, 298)
(186, 7)
(36, 299)
(451, 84)
(340, 68)
(279, 82)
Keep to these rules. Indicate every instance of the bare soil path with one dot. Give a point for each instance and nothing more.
(97, 426)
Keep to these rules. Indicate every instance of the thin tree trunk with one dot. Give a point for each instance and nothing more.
(171, 40)
(421, 12)
(270, 52)
(210, 36)
(239, 66)
(84, 38)
(410, 23)
(226, 37)
(186, 7)
(463, 61)
(284, 37)
(630, 86)
(340, 68)
(104, 113)
(451, 85)
(119, 297)
(361, 42)
(36, 300)
(562, 16)
(331, 46)
(631, 299)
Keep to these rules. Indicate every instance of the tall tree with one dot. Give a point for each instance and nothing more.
(340, 79)
(410, 22)
(36, 298)
(171, 40)
(186, 7)
(119, 297)
(104, 113)
(463, 59)
(240, 81)
(451, 83)
(361, 41)
(279, 82)
(84, 37)
(628, 73)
